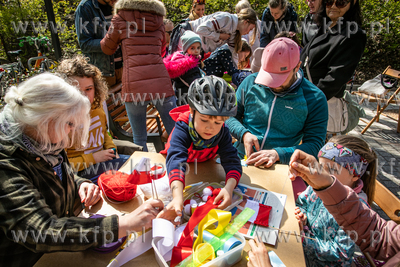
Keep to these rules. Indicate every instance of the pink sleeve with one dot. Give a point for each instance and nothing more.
(372, 234)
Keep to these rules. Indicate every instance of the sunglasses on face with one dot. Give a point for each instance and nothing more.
(338, 3)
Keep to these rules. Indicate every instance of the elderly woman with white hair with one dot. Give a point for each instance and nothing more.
(43, 116)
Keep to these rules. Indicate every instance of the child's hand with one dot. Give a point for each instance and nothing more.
(301, 217)
(226, 194)
(172, 210)
(306, 166)
(226, 198)
(104, 155)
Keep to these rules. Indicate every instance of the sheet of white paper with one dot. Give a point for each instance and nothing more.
(163, 230)
(275, 260)
(136, 248)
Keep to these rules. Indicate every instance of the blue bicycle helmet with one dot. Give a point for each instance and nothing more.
(211, 95)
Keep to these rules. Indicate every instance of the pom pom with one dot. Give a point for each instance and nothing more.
(192, 201)
(187, 209)
(205, 198)
(187, 201)
(208, 191)
(216, 192)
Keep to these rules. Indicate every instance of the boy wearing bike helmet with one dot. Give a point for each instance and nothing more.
(199, 135)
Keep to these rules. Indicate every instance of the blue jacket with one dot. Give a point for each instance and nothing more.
(91, 27)
(332, 247)
(270, 28)
(180, 149)
(301, 115)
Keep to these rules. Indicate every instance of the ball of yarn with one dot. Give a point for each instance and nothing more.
(117, 185)
(208, 191)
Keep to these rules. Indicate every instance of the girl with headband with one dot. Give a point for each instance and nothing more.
(354, 164)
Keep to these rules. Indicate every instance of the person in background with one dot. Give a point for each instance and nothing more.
(145, 79)
(100, 154)
(310, 28)
(92, 20)
(199, 135)
(197, 10)
(169, 26)
(378, 237)
(256, 44)
(331, 57)
(278, 16)
(218, 29)
(354, 164)
(43, 116)
(221, 61)
(290, 35)
(278, 110)
(184, 67)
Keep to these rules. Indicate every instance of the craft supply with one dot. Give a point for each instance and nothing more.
(204, 247)
(117, 185)
(216, 242)
(216, 192)
(193, 208)
(187, 209)
(192, 185)
(208, 191)
(205, 198)
(220, 253)
(228, 245)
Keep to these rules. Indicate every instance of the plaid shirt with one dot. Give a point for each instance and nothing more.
(36, 210)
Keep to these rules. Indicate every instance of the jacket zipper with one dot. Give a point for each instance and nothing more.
(269, 122)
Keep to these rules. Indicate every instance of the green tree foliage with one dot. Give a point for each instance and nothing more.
(383, 46)
(28, 18)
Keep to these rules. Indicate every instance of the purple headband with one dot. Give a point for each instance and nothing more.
(344, 156)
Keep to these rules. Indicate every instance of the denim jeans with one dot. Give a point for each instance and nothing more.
(93, 172)
(137, 118)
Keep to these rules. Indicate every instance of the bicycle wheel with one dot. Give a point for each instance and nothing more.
(52, 65)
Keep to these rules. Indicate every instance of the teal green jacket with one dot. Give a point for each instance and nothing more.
(300, 115)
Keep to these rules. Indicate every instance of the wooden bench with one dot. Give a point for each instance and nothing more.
(387, 201)
(119, 121)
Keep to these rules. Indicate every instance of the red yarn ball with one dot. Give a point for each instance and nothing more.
(117, 185)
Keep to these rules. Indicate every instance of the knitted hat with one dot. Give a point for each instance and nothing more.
(188, 38)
